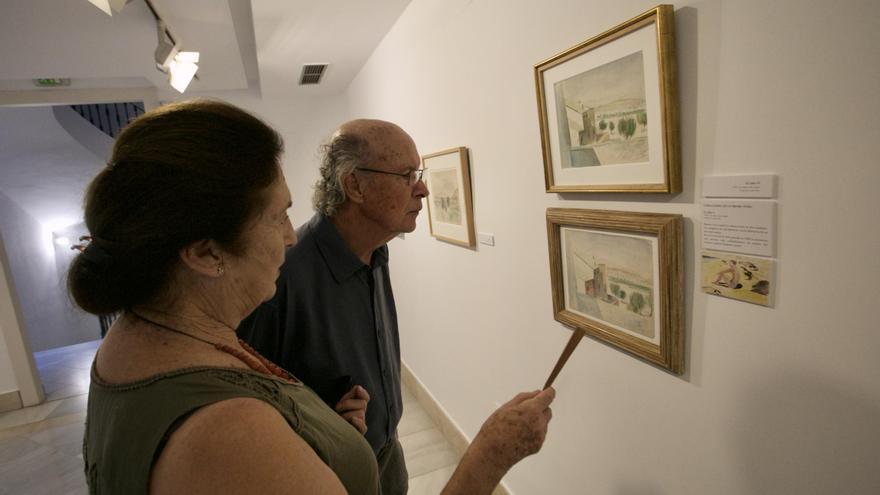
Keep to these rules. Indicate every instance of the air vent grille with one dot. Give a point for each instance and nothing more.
(312, 73)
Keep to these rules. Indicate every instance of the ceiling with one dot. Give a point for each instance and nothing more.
(73, 39)
(42, 168)
(257, 45)
(343, 33)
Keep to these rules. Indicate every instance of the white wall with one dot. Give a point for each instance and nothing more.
(83, 132)
(782, 400)
(17, 370)
(50, 320)
(7, 375)
(79, 325)
(304, 123)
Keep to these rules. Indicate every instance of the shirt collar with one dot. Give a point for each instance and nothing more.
(341, 262)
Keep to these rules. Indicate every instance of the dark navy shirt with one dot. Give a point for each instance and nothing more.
(333, 324)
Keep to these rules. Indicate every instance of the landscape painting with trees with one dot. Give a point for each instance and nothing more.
(617, 276)
(608, 110)
(603, 119)
(610, 277)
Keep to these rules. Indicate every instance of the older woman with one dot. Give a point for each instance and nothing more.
(189, 226)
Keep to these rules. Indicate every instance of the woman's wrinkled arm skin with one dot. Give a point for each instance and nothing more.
(240, 446)
(246, 446)
(514, 431)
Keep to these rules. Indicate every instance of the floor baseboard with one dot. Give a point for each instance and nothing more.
(447, 426)
(10, 401)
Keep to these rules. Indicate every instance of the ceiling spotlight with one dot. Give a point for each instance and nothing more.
(183, 68)
(180, 66)
(166, 49)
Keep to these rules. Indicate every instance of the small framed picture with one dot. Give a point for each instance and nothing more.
(608, 110)
(618, 276)
(450, 211)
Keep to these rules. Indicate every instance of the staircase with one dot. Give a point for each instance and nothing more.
(110, 118)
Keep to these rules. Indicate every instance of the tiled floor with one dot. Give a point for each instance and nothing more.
(40, 446)
(65, 371)
(430, 459)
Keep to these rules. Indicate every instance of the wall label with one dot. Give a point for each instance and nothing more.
(740, 226)
(739, 186)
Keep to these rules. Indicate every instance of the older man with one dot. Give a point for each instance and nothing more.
(333, 322)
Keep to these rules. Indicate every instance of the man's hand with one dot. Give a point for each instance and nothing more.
(353, 407)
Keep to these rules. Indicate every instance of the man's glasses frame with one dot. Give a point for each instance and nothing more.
(412, 177)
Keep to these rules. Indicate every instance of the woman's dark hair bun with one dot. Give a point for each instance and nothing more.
(88, 278)
(180, 173)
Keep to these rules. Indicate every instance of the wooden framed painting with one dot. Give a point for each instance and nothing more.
(618, 276)
(608, 110)
(450, 211)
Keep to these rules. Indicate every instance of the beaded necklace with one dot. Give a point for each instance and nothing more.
(249, 356)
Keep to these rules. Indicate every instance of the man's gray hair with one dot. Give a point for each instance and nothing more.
(340, 157)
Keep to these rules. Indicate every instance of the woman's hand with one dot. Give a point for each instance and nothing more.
(514, 431)
(517, 429)
(353, 407)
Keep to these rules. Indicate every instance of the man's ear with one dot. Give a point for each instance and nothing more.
(203, 257)
(354, 188)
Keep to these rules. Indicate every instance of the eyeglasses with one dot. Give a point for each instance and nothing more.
(412, 176)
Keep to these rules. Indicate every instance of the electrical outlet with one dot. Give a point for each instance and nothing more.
(486, 238)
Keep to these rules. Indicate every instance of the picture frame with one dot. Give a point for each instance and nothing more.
(618, 276)
(608, 110)
(450, 208)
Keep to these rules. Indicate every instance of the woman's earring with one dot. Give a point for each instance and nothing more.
(221, 269)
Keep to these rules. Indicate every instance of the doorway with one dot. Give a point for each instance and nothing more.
(46, 165)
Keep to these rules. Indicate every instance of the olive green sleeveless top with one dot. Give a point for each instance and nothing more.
(127, 425)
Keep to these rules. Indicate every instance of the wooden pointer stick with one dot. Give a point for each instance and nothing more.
(573, 342)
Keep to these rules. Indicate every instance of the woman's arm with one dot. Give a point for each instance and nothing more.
(240, 446)
(245, 446)
(514, 431)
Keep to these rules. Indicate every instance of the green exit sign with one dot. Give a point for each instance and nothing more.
(52, 82)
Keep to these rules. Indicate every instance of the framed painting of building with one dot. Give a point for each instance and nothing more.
(450, 211)
(608, 110)
(618, 276)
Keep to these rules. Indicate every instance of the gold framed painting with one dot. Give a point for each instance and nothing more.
(450, 211)
(618, 276)
(608, 110)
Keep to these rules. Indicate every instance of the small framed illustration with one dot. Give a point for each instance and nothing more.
(618, 276)
(450, 212)
(608, 110)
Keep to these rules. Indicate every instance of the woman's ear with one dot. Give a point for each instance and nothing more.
(203, 257)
